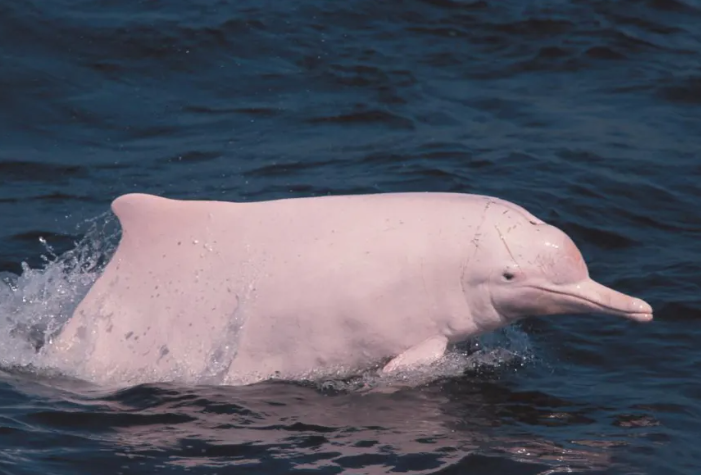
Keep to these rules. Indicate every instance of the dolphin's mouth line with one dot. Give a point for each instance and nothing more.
(594, 302)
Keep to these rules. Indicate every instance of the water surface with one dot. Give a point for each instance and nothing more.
(586, 113)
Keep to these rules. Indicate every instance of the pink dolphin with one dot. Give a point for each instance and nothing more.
(235, 293)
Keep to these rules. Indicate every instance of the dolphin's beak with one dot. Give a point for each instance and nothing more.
(588, 296)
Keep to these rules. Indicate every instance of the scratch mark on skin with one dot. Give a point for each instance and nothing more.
(162, 353)
(475, 241)
(423, 277)
(503, 239)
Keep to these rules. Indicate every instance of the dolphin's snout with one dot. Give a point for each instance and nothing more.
(591, 297)
(640, 310)
(640, 306)
(617, 303)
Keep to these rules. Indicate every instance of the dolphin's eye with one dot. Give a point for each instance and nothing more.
(508, 275)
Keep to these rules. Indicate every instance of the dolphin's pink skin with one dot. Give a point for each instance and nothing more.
(235, 293)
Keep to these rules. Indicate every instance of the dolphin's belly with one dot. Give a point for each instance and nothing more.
(334, 318)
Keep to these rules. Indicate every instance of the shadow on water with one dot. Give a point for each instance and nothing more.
(471, 424)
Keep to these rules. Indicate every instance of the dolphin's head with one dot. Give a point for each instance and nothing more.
(530, 268)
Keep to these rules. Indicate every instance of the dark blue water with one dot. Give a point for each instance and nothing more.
(586, 113)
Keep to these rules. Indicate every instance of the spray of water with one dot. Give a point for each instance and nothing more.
(35, 304)
(505, 348)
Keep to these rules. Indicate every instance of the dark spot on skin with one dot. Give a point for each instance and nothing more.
(109, 328)
(163, 352)
(80, 332)
(128, 335)
(179, 243)
(508, 275)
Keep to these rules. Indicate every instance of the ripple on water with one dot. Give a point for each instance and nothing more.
(584, 112)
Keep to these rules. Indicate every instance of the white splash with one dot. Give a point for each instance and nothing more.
(507, 347)
(36, 303)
